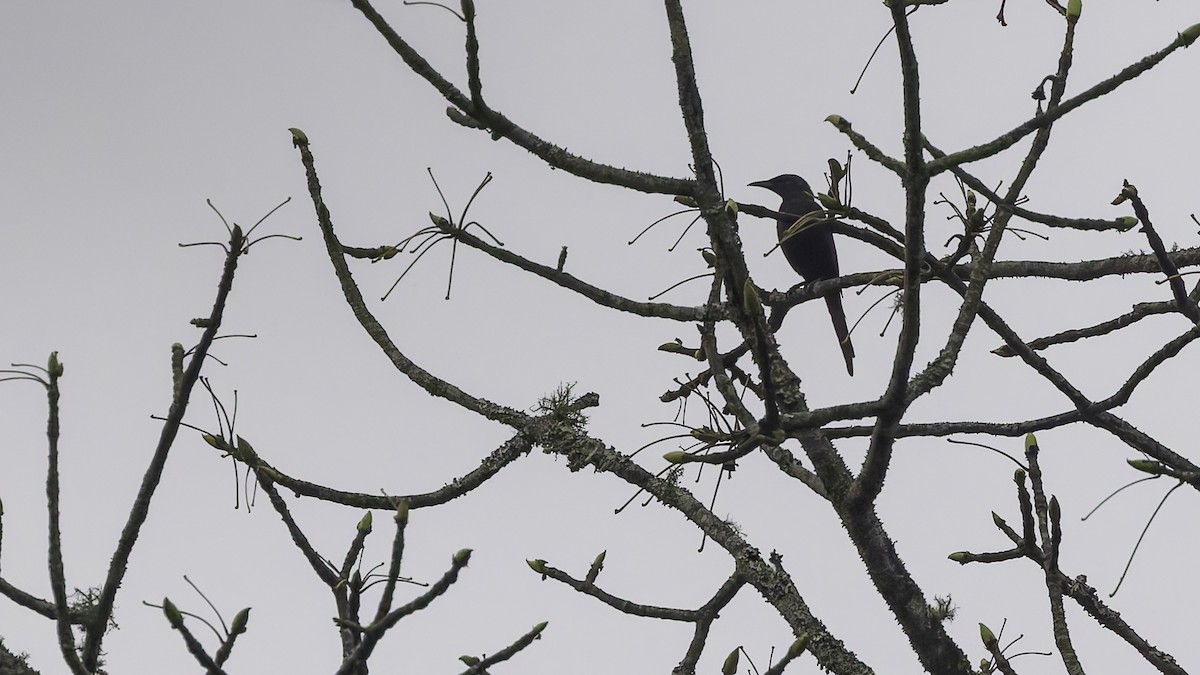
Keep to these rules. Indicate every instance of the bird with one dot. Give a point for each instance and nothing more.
(811, 251)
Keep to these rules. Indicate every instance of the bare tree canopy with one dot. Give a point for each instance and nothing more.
(530, 388)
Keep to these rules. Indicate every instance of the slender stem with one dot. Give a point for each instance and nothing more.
(150, 481)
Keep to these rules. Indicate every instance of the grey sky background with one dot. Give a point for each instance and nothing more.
(121, 118)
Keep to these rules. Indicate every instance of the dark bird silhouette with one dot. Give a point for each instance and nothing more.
(810, 251)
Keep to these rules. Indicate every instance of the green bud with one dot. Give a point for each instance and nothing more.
(709, 257)
(364, 525)
(441, 222)
(298, 138)
(731, 207)
(1190, 34)
(53, 366)
(1031, 443)
(838, 121)
(731, 662)
(750, 300)
(401, 512)
(244, 447)
(959, 557)
(173, 615)
(217, 442)
(385, 253)
(988, 637)
(676, 457)
(1074, 8)
(462, 557)
(1130, 222)
(1148, 466)
(836, 172)
(675, 347)
(239, 622)
(1055, 509)
(828, 201)
(538, 565)
(799, 645)
(537, 630)
(469, 660)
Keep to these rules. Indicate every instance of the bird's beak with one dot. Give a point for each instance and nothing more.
(759, 183)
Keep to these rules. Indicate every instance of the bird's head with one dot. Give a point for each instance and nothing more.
(786, 185)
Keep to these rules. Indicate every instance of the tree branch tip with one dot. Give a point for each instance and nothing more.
(676, 457)
(299, 138)
(1190, 34)
(841, 123)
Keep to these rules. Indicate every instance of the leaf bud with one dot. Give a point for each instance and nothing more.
(53, 365)
(798, 647)
(239, 622)
(173, 614)
(1190, 34)
(988, 637)
(731, 662)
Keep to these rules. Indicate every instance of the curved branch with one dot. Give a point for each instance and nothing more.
(598, 295)
(1007, 140)
(869, 149)
(772, 582)
(150, 481)
(1090, 412)
(1048, 220)
(502, 127)
(518, 445)
(1139, 312)
(422, 378)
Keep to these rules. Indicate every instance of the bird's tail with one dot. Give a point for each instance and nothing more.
(834, 301)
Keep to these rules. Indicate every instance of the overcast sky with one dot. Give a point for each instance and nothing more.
(121, 118)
